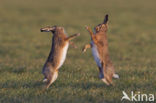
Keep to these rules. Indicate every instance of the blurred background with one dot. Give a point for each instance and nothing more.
(24, 49)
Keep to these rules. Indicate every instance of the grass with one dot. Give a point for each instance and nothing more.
(24, 49)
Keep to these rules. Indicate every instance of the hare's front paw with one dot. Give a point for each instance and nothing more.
(86, 27)
(84, 50)
(78, 34)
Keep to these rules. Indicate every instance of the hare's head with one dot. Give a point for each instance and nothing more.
(102, 27)
(53, 29)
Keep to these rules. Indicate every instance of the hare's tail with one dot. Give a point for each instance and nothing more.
(116, 76)
(45, 80)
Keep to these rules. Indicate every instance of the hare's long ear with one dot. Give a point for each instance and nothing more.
(105, 19)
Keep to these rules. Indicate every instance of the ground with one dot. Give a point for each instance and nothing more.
(24, 50)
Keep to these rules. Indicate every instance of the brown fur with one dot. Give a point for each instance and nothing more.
(59, 41)
(100, 40)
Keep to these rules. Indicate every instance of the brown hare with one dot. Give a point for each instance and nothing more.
(99, 45)
(57, 55)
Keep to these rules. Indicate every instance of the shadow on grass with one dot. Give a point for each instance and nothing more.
(89, 85)
(15, 84)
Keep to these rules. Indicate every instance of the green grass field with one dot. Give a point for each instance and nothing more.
(24, 50)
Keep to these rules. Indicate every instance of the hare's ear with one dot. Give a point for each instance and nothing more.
(105, 19)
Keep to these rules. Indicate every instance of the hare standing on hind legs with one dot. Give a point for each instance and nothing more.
(57, 55)
(99, 45)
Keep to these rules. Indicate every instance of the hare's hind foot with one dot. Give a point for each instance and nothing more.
(51, 79)
(105, 81)
(116, 76)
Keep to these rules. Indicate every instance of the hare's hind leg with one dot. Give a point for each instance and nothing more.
(51, 79)
(102, 76)
(109, 79)
(55, 75)
(105, 81)
(49, 82)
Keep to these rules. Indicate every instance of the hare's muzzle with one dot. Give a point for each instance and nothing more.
(45, 30)
(41, 30)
